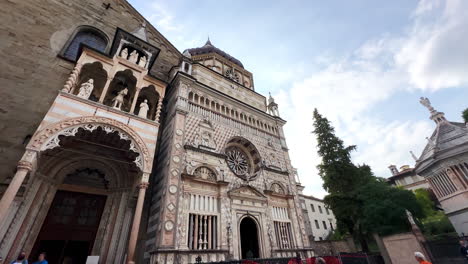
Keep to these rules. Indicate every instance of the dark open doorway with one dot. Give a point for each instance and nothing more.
(69, 230)
(249, 238)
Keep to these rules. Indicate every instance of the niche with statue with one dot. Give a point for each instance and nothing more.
(134, 55)
(91, 81)
(147, 103)
(121, 91)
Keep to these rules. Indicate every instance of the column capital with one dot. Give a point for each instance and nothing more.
(143, 185)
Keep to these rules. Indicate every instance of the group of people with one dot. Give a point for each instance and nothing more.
(420, 258)
(21, 259)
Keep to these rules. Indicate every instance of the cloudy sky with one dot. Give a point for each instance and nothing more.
(362, 63)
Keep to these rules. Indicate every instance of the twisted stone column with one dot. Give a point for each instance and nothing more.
(158, 111)
(71, 82)
(136, 221)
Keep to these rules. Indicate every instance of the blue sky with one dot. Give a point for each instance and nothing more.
(363, 64)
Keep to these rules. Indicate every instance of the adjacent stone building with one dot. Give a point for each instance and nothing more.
(444, 164)
(407, 178)
(117, 145)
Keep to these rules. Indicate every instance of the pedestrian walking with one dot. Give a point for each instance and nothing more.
(41, 259)
(421, 258)
(21, 259)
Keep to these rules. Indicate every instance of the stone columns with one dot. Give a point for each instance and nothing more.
(137, 219)
(158, 109)
(71, 82)
(135, 98)
(104, 90)
(25, 165)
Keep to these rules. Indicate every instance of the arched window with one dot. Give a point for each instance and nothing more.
(87, 35)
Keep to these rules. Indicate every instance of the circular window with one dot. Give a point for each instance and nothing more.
(237, 161)
(242, 158)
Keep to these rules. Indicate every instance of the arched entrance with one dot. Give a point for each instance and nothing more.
(91, 175)
(249, 238)
(69, 230)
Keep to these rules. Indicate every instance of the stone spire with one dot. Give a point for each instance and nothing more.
(141, 32)
(271, 100)
(272, 107)
(437, 117)
(208, 42)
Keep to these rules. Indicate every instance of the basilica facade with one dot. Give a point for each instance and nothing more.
(118, 147)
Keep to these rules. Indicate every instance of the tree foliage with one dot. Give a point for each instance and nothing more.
(361, 202)
(435, 221)
(465, 115)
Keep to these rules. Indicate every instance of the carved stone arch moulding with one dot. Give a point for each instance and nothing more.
(278, 187)
(48, 138)
(205, 172)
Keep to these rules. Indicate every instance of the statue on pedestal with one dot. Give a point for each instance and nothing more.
(143, 109)
(142, 61)
(117, 102)
(86, 89)
(133, 57)
(124, 53)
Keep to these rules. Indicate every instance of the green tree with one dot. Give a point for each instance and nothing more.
(465, 115)
(435, 221)
(361, 202)
(341, 178)
(384, 207)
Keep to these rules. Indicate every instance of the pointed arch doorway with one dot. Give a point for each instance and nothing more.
(249, 238)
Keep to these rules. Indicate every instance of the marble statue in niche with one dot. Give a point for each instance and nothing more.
(117, 102)
(142, 61)
(133, 57)
(143, 109)
(124, 53)
(86, 89)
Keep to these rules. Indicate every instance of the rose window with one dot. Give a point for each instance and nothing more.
(237, 161)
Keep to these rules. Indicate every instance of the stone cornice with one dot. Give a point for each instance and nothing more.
(205, 151)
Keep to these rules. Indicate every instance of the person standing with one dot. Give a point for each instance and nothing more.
(464, 249)
(21, 259)
(420, 258)
(41, 259)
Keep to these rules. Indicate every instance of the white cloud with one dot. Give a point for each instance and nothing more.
(434, 53)
(162, 18)
(430, 55)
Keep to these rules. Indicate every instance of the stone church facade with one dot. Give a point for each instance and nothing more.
(117, 145)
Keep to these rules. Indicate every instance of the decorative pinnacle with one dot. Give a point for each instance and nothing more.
(208, 42)
(426, 103)
(437, 117)
(412, 155)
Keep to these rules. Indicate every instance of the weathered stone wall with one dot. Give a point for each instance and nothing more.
(33, 33)
(331, 248)
(401, 247)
